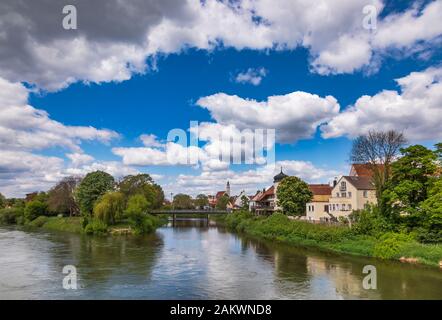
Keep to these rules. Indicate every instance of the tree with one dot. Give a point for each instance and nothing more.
(431, 230)
(182, 201)
(110, 207)
(201, 201)
(61, 197)
(293, 194)
(245, 202)
(2, 201)
(137, 205)
(222, 202)
(92, 187)
(412, 177)
(142, 184)
(378, 149)
(34, 209)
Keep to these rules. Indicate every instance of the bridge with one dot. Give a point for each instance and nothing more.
(175, 213)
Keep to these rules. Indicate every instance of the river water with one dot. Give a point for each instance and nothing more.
(194, 260)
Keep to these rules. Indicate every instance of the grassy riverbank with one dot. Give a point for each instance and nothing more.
(340, 239)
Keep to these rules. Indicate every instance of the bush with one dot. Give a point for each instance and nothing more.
(143, 223)
(109, 209)
(96, 227)
(34, 209)
(390, 245)
(38, 222)
(11, 216)
(369, 222)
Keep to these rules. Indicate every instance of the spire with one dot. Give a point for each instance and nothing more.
(228, 188)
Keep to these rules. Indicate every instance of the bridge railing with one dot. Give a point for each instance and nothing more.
(189, 211)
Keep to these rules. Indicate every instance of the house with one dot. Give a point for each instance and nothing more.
(237, 201)
(318, 208)
(266, 202)
(353, 192)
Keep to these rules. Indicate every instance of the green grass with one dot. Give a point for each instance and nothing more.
(340, 239)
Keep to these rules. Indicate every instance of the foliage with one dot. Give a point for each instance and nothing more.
(293, 194)
(11, 215)
(391, 245)
(182, 201)
(201, 201)
(2, 201)
(136, 205)
(369, 221)
(144, 223)
(142, 184)
(91, 188)
(222, 202)
(431, 230)
(38, 222)
(245, 202)
(34, 209)
(96, 227)
(110, 207)
(61, 197)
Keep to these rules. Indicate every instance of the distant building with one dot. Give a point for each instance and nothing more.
(266, 202)
(213, 200)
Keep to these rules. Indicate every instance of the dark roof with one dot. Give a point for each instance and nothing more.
(279, 176)
(361, 183)
(320, 189)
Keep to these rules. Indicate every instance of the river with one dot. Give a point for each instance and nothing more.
(194, 260)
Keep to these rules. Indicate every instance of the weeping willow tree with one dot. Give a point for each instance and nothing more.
(110, 208)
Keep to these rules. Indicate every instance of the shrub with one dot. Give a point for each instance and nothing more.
(144, 223)
(11, 216)
(369, 221)
(390, 245)
(34, 209)
(38, 222)
(96, 227)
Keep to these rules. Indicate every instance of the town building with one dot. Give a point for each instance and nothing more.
(265, 202)
(318, 208)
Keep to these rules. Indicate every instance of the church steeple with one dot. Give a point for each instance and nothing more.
(228, 188)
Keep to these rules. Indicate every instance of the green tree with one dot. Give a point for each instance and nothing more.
(412, 175)
(145, 185)
(34, 209)
(2, 201)
(245, 202)
(293, 194)
(201, 201)
(137, 205)
(222, 202)
(109, 209)
(61, 197)
(92, 187)
(431, 230)
(182, 201)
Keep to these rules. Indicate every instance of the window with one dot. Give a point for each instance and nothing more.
(343, 186)
(344, 195)
(349, 194)
(349, 207)
(337, 194)
(365, 193)
(313, 208)
(343, 207)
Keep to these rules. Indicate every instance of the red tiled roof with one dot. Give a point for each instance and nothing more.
(269, 192)
(361, 183)
(362, 170)
(219, 194)
(320, 189)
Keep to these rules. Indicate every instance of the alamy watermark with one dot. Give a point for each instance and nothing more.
(370, 281)
(70, 280)
(69, 21)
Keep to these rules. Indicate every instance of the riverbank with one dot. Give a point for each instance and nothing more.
(75, 225)
(339, 239)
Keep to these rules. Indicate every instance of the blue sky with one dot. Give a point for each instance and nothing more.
(169, 82)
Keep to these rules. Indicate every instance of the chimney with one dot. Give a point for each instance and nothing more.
(335, 181)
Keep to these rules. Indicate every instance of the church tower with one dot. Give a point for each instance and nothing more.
(228, 188)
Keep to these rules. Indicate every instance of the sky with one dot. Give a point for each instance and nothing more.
(106, 95)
